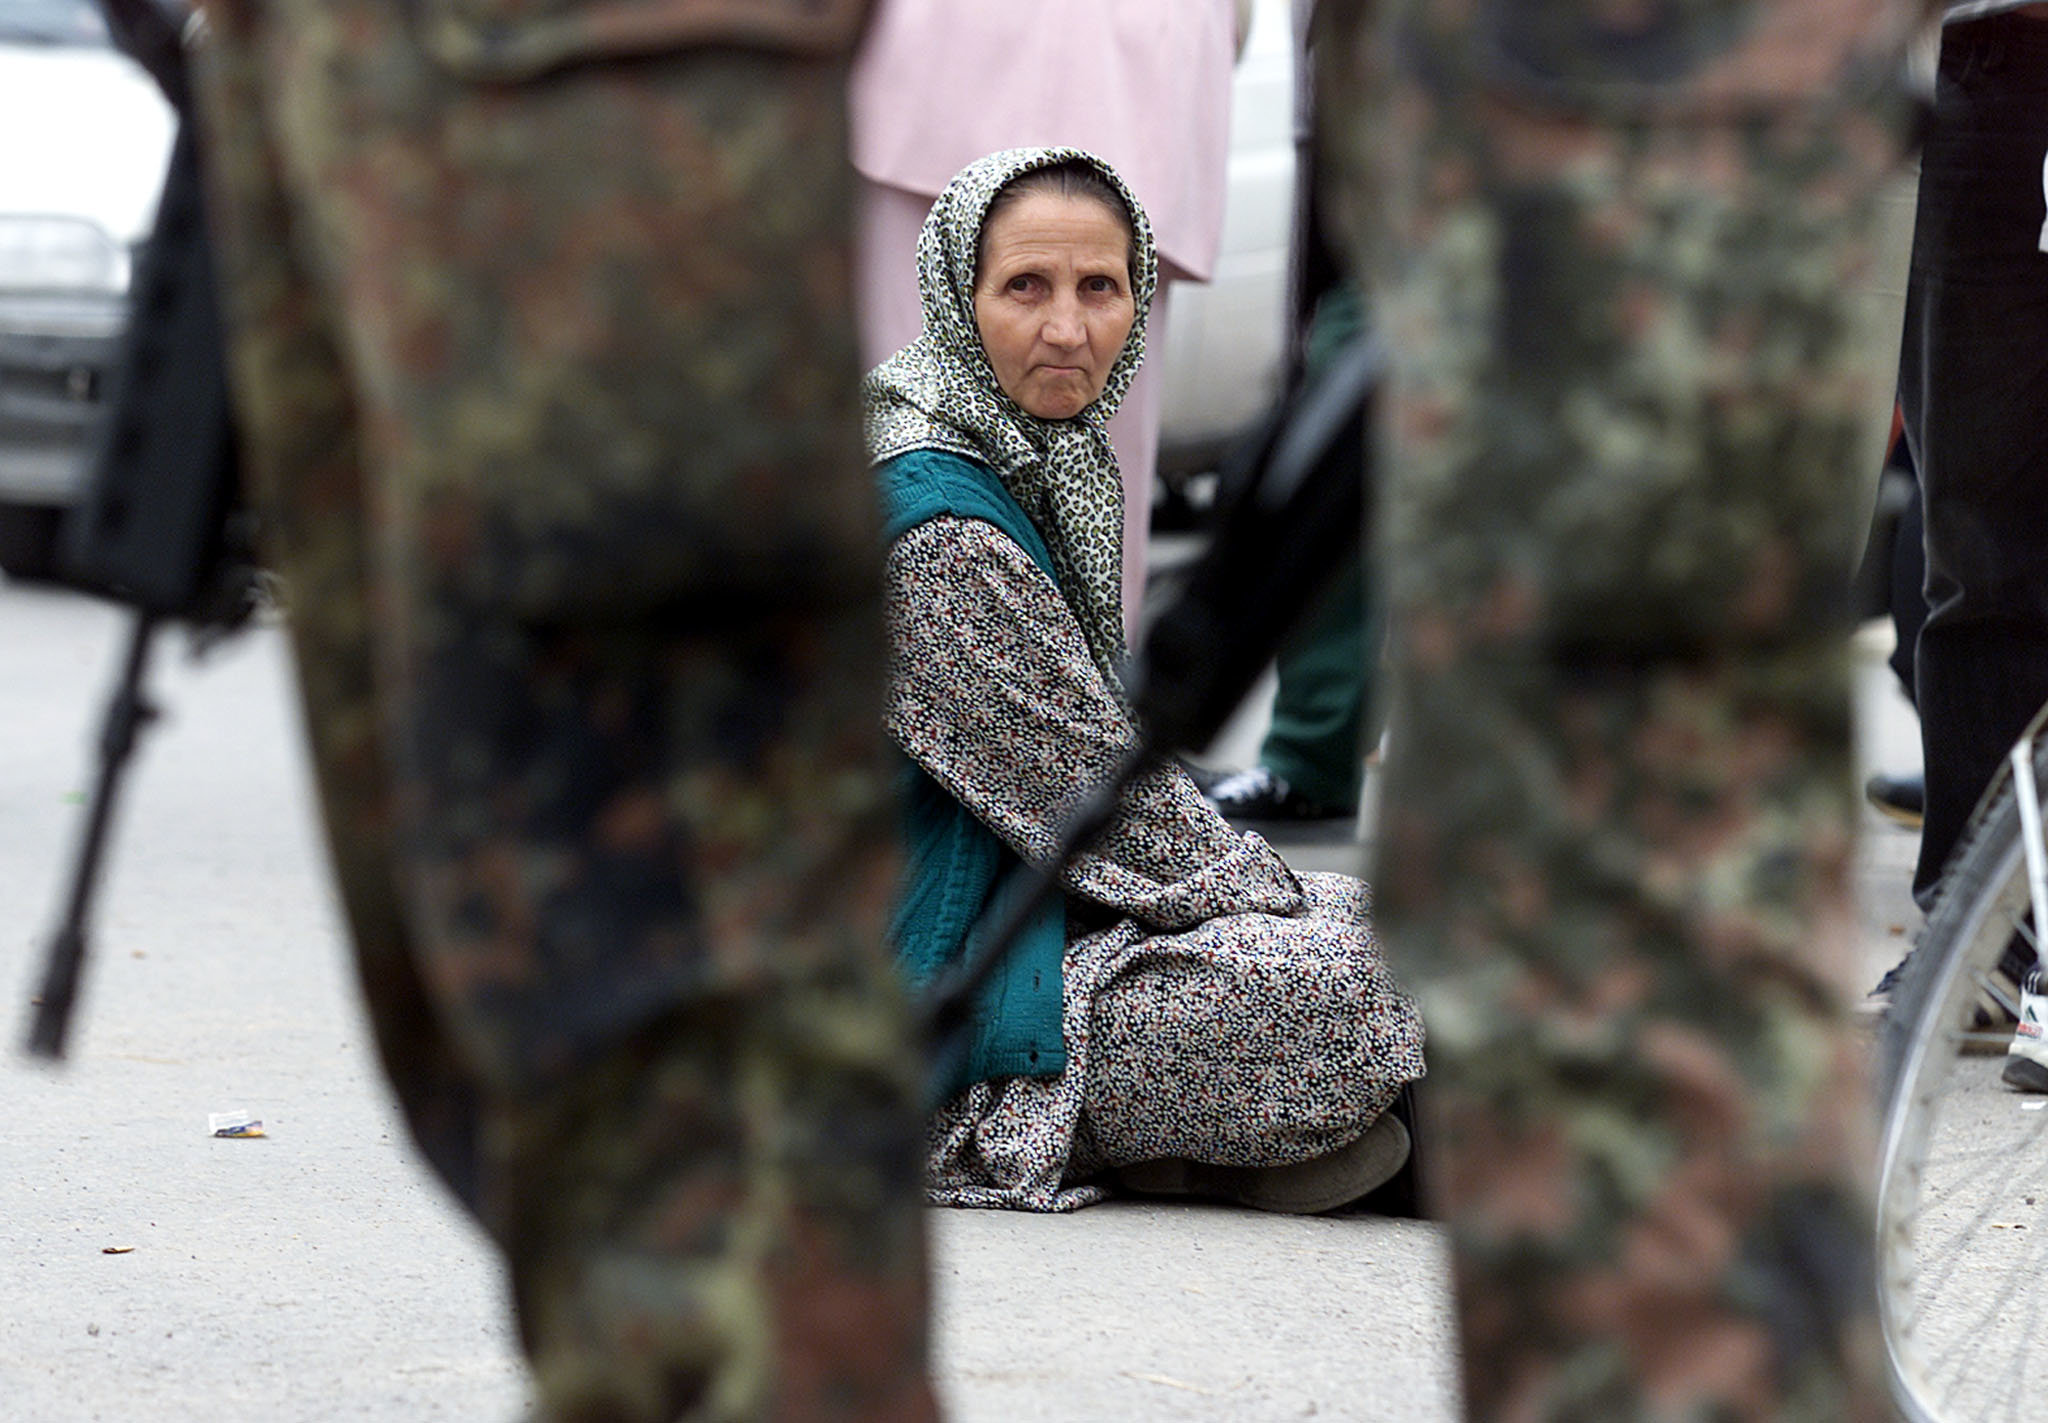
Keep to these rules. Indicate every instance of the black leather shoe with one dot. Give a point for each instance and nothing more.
(1258, 794)
(1351, 1173)
(1899, 798)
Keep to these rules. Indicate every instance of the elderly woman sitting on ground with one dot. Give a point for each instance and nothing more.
(1196, 1018)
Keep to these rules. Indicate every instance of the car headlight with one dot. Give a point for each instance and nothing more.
(60, 254)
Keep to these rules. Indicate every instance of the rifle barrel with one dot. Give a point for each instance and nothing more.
(128, 712)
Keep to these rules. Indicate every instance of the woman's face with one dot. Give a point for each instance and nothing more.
(1053, 300)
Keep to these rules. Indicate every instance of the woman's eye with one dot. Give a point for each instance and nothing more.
(1102, 286)
(1020, 284)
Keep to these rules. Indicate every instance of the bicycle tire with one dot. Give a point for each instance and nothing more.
(1962, 1201)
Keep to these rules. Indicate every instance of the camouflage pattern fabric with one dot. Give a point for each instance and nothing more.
(1613, 248)
(549, 390)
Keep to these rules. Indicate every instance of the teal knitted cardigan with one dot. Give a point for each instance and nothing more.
(957, 867)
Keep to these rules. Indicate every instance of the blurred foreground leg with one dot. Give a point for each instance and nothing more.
(1613, 249)
(544, 349)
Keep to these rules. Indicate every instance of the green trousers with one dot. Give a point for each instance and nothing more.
(1315, 741)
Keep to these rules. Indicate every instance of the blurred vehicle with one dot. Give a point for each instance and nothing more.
(88, 135)
(1225, 342)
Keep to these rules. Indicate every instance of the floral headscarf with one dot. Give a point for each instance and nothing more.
(940, 393)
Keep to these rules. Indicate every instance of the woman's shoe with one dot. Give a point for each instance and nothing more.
(1898, 798)
(1321, 1183)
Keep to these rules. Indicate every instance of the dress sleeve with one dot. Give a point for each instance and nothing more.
(993, 692)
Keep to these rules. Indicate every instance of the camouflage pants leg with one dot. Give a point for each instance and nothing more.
(613, 837)
(1613, 249)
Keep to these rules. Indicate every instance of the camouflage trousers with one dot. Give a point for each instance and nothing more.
(543, 354)
(1614, 249)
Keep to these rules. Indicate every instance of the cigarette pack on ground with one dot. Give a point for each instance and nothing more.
(233, 1124)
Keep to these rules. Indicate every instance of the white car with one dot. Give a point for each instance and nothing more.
(88, 136)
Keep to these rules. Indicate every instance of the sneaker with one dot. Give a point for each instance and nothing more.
(1902, 799)
(2026, 1061)
(1258, 794)
(1321, 1183)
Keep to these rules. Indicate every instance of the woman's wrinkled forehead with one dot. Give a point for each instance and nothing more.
(1057, 183)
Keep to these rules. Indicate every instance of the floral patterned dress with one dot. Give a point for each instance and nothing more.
(1216, 1006)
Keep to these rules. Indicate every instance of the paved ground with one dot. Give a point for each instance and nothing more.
(319, 1273)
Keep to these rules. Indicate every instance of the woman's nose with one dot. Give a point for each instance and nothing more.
(1063, 324)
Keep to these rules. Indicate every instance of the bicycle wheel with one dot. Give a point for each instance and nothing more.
(1962, 1207)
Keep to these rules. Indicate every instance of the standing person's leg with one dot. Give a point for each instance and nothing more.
(1614, 266)
(1974, 384)
(1312, 760)
(1908, 598)
(891, 312)
(1311, 763)
(619, 582)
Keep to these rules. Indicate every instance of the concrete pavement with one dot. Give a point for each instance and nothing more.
(319, 1273)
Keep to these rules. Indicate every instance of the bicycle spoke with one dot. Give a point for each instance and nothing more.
(1989, 985)
(2023, 926)
(1954, 1256)
(1971, 1157)
(1980, 1335)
